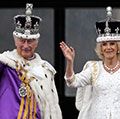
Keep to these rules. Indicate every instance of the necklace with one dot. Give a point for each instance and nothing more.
(111, 70)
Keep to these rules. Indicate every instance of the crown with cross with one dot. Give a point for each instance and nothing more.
(109, 29)
(27, 25)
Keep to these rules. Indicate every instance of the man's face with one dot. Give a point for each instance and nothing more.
(26, 47)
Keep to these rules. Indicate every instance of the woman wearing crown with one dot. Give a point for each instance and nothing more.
(104, 102)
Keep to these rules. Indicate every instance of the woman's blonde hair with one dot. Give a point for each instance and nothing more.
(99, 52)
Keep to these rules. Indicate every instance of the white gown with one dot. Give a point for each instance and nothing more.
(106, 93)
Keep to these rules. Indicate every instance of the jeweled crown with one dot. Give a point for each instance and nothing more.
(27, 26)
(109, 29)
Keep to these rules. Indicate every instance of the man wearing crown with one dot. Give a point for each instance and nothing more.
(27, 87)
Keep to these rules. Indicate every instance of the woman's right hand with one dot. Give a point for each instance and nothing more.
(68, 52)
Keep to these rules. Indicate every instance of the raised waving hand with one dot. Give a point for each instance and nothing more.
(69, 54)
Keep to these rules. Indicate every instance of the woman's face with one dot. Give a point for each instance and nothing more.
(109, 49)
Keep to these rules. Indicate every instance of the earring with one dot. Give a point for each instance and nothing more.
(118, 51)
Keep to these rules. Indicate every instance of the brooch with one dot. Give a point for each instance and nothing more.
(23, 90)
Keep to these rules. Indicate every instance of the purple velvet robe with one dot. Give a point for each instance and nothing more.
(9, 93)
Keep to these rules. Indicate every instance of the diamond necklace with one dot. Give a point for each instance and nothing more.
(111, 70)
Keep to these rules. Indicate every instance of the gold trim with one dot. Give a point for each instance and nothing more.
(26, 109)
(31, 106)
(21, 108)
(94, 73)
(34, 115)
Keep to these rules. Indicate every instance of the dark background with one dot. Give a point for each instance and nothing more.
(67, 103)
